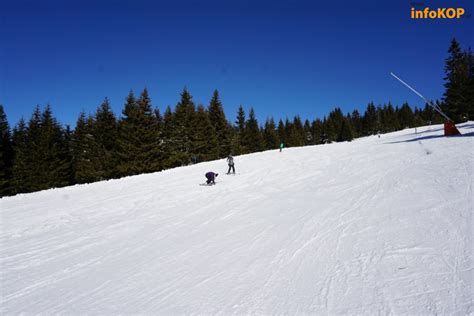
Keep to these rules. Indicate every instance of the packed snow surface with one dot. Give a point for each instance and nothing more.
(377, 225)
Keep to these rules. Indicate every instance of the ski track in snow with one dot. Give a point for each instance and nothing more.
(375, 226)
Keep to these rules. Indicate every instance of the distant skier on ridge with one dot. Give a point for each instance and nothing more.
(230, 162)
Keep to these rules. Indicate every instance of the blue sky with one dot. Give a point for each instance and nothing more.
(281, 57)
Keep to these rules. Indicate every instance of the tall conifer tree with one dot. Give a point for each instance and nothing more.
(21, 162)
(55, 161)
(205, 146)
(6, 155)
(181, 147)
(253, 139)
(281, 131)
(457, 83)
(406, 117)
(356, 121)
(219, 121)
(86, 165)
(369, 121)
(105, 132)
(308, 136)
(317, 131)
(270, 135)
(237, 145)
(138, 144)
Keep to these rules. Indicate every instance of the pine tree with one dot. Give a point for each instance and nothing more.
(6, 155)
(356, 122)
(253, 139)
(127, 142)
(336, 118)
(329, 131)
(138, 143)
(219, 121)
(296, 135)
(457, 83)
(369, 121)
(105, 133)
(205, 146)
(86, 164)
(179, 145)
(240, 122)
(68, 142)
(29, 155)
(21, 161)
(469, 87)
(237, 146)
(36, 158)
(42, 157)
(150, 136)
(166, 137)
(159, 121)
(288, 132)
(308, 135)
(430, 116)
(418, 114)
(378, 121)
(317, 131)
(345, 133)
(55, 161)
(281, 131)
(270, 135)
(406, 116)
(388, 119)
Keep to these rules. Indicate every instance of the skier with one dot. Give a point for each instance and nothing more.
(281, 146)
(230, 162)
(211, 176)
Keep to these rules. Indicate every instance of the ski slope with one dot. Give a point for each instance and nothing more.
(377, 225)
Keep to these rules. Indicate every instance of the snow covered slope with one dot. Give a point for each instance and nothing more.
(378, 225)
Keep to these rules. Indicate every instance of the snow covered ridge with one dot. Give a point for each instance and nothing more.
(377, 225)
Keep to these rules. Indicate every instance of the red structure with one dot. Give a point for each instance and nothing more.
(450, 129)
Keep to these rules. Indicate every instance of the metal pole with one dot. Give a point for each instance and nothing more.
(409, 87)
(437, 109)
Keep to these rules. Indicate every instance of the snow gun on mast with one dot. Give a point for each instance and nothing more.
(449, 127)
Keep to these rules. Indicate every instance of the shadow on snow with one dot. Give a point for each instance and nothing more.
(471, 134)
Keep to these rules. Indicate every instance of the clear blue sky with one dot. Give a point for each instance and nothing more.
(281, 57)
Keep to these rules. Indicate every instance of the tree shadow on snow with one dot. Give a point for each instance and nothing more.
(467, 125)
(416, 139)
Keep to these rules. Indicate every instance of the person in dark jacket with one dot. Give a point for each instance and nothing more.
(230, 162)
(211, 177)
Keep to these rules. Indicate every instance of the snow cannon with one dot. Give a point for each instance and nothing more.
(449, 128)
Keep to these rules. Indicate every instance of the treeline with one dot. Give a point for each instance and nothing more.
(40, 153)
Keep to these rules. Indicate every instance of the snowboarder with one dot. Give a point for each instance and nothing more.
(211, 176)
(281, 146)
(230, 162)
